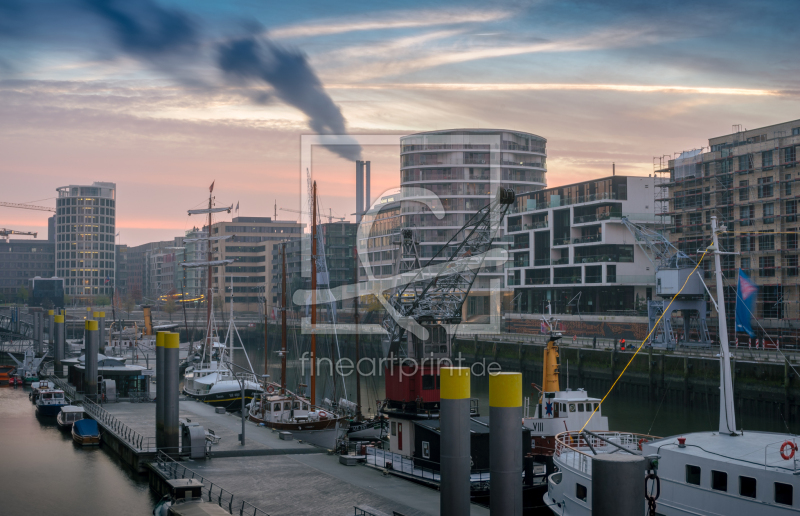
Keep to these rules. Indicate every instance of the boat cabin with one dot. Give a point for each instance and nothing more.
(562, 411)
(69, 414)
(51, 397)
(280, 409)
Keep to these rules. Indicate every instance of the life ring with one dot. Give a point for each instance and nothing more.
(640, 443)
(322, 413)
(792, 449)
(270, 389)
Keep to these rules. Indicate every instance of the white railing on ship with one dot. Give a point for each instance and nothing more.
(574, 449)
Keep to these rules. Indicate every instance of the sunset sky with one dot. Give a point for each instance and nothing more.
(165, 97)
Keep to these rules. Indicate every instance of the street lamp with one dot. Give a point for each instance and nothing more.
(242, 385)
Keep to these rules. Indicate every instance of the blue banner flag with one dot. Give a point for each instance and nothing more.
(745, 302)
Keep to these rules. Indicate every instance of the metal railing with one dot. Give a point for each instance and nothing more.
(120, 429)
(575, 449)
(69, 391)
(401, 464)
(213, 493)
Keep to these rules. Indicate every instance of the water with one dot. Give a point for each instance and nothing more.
(43, 472)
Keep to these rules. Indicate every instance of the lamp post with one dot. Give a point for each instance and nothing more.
(242, 385)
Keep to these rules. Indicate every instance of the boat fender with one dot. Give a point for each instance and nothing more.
(270, 389)
(792, 448)
(322, 413)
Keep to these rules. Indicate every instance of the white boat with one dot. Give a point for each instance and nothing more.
(727, 471)
(68, 415)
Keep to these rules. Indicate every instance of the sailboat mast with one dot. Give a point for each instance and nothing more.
(283, 318)
(727, 417)
(313, 293)
(208, 277)
(355, 318)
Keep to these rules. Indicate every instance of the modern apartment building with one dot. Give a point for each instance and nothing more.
(20, 261)
(749, 180)
(121, 264)
(139, 272)
(462, 168)
(247, 281)
(571, 250)
(85, 229)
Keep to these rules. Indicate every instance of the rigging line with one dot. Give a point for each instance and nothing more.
(666, 310)
(785, 358)
(663, 397)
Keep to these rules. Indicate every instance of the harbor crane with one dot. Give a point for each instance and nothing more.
(330, 216)
(673, 270)
(5, 233)
(26, 206)
(435, 297)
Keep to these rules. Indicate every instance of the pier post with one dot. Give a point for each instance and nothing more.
(505, 444)
(171, 391)
(617, 484)
(454, 498)
(58, 347)
(90, 360)
(51, 338)
(35, 333)
(160, 389)
(100, 317)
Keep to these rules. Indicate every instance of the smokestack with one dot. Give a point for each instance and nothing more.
(359, 190)
(171, 391)
(454, 490)
(613, 169)
(367, 196)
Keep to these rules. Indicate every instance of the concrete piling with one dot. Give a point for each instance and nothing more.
(617, 484)
(58, 346)
(51, 338)
(171, 390)
(100, 317)
(505, 443)
(455, 441)
(90, 360)
(160, 389)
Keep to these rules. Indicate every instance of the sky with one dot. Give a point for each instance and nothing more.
(164, 97)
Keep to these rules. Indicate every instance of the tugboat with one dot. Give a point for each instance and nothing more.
(50, 401)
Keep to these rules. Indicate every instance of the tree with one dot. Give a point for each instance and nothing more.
(102, 300)
(169, 307)
(128, 304)
(67, 301)
(23, 295)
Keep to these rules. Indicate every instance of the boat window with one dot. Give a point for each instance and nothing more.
(276, 407)
(287, 405)
(693, 474)
(580, 407)
(747, 487)
(305, 406)
(428, 382)
(595, 406)
(580, 492)
(572, 407)
(394, 428)
(719, 480)
(296, 405)
(783, 493)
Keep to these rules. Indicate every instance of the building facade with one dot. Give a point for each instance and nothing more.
(748, 179)
(85, 229)
(138, 281)
(121, 264)
(570, 249)
(247, 281)
(463, 169)
(20, 261)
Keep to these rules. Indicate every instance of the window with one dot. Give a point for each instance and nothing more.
(747, 487)
(693, 475)
(394, 428)
(428, 382)
(766, 242)
(426, 450)
(795, 131)
(789, 156)
(745, 264)
(783, 493)
(787, 186)
(791, 211)
(580, 492)
(746, 215)
(747, 244)
(764, 187)
(766, 160)
(572, 407)
(744, 190)
(580, 407)
(769, 213)
(595, 406)
(791, 238)
(746, 162)
(766, 264)
(790, 265)
(719, 480)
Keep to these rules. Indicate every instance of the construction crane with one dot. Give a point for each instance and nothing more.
(5, 233)
(27, 206)
(437, 293)
(331, 218)
(676, 280)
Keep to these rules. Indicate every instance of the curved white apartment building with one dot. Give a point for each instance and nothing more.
(464, 168)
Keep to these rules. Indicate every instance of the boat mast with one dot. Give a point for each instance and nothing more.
(208, 277)
(727, 416)
(313, 293)
(550, 364)
(355, 318)
(283, 318)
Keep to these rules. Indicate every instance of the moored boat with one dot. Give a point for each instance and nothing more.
(50, 401)
(86, 432)
(6, 373)
(16, 380)
(68, 415)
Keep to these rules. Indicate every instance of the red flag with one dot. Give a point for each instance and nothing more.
(211, 188)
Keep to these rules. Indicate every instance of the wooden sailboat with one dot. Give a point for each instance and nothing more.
(278, 407)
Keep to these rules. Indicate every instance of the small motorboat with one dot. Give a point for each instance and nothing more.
(16, 380)
(185, 498)
(86, 432)
(7, 373)
(37, 387)
(50, 401)
(68, 415)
